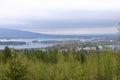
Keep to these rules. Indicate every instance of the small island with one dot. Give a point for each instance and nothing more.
(12, 43)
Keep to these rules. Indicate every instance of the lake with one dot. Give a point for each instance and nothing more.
(32, 45)
(37, 43)
(28, 45)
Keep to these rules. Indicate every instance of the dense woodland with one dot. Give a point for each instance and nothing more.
(56, 65)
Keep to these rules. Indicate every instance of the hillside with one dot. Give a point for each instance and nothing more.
(13, 34)
(17, 34)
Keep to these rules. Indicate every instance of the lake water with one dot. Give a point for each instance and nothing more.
(45, 39)
(30, 44)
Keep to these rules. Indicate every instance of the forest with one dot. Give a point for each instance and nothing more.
(59, 65)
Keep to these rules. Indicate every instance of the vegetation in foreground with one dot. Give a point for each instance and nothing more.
(57, 65)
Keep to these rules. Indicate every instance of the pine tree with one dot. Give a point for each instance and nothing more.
(16, 70)
(6, 54)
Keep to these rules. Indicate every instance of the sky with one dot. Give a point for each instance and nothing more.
(61, 16)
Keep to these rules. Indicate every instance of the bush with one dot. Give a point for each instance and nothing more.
(6, 54)
(16, 70)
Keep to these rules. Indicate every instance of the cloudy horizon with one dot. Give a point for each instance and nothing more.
(61, 16)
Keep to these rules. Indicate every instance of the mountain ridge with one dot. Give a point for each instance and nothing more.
(17, 34)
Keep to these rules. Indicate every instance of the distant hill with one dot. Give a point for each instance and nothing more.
(18, 34)
(13, 34)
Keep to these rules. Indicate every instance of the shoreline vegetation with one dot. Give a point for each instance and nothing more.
(59, 65)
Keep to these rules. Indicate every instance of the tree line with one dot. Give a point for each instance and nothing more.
(58, 65)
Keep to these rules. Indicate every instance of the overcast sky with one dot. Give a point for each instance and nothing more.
(61, 16)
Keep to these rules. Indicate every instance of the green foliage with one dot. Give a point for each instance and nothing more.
(81, 57)
(118, 66)
(16, 70)
(6, 54)
(58, 65)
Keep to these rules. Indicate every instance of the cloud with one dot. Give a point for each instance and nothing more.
(46, 8)
(63, 16)
(97, 30)
(9, 22)
(63, 26)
